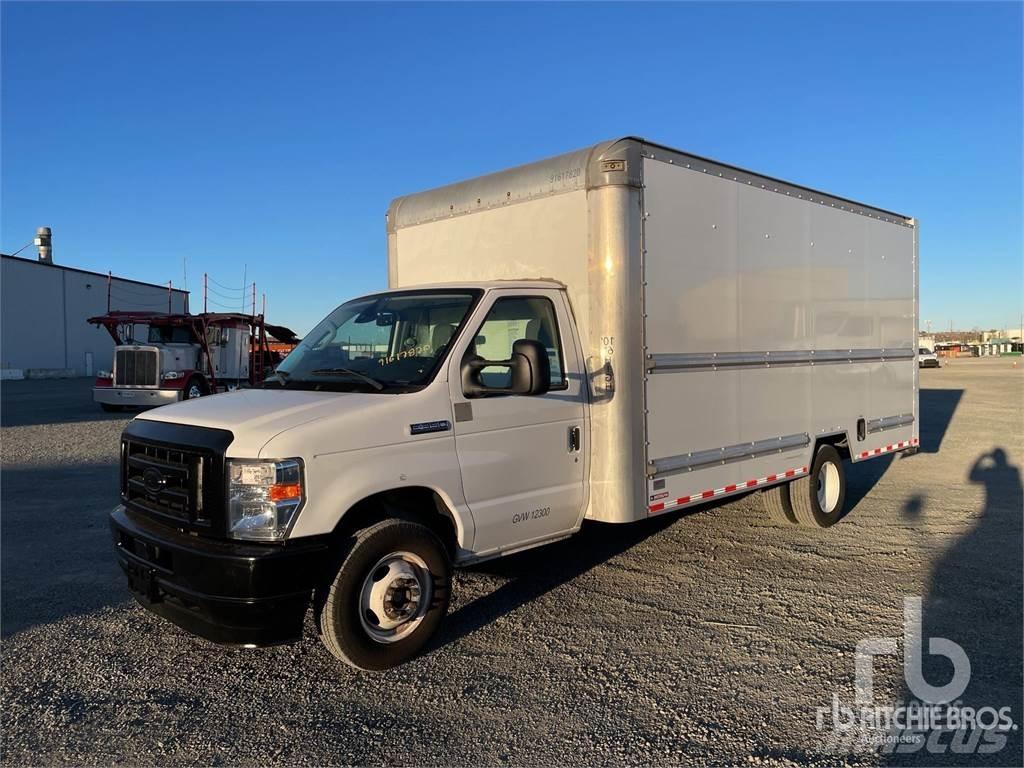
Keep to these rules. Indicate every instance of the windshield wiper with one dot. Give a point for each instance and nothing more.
(368, 379)
(282, 378)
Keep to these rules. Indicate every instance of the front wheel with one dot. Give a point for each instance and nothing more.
(196, 387)
(817, 499)
(388, 597)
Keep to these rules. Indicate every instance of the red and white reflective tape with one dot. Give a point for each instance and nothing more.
(710, 494)
(886, 449)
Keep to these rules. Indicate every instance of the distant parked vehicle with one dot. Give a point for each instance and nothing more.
(184, 357)
(927, 359)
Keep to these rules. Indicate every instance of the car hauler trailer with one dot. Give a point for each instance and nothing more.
(184, 356)
(610, 334)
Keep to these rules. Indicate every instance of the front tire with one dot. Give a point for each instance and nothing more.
(817, 498)
(388, 597)
(196, 387)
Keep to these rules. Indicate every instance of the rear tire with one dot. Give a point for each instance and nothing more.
(817, 498)
(776, 503)
(388, 597)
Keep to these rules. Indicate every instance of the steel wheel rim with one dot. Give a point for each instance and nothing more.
(195, 391)
(395, 596)
(828, 487)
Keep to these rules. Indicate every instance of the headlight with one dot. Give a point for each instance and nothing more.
(264, 498)
(173, 375)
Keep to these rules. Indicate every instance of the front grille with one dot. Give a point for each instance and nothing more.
(167, 482)
(186, 465)
(136, 367)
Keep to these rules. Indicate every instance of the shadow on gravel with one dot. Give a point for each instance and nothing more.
(937, 407)
(36, 402)
(975, 601)
(863, 476)
(537, 571)
(55, 550)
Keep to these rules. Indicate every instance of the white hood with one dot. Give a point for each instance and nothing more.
(338, 420)
(256, 415)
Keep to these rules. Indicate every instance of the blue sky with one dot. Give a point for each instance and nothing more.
(275, 135)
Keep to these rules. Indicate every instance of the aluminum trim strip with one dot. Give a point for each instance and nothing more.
(725, 455)
(666, 363)
(890, 422)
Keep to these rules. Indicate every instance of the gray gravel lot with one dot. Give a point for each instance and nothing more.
(707, 637)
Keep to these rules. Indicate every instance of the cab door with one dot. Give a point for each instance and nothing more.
(523, 458)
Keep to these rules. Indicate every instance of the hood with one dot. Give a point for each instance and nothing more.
(255, 416)
(264, 421)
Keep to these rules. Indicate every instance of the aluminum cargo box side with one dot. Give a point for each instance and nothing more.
(776, 317)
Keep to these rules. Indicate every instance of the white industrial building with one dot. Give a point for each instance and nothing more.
(44, 308)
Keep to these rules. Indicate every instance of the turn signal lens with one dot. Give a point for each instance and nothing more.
(285, 491)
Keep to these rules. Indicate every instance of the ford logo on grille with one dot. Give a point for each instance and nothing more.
(154, 480)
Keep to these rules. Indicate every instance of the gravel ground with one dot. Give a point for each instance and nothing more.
(707, 637)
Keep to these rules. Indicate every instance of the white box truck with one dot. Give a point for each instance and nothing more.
(606, 335)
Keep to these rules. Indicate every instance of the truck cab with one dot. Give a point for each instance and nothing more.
(183, 357)
(410, 430)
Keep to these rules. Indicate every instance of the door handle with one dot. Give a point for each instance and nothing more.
(574, 439)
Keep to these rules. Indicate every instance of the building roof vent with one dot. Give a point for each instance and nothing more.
(44, 242)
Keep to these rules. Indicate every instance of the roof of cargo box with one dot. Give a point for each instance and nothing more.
(616, 162)
(485, 285)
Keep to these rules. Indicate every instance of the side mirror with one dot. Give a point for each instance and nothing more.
(529, 368)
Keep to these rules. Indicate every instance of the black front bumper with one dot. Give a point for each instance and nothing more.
(231, 593)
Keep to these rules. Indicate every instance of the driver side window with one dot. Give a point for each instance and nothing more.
(513, 318)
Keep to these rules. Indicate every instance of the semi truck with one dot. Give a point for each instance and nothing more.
(608, 335)
(183, 356)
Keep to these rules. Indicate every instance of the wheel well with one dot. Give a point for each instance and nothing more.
(838, 441)
(196, 375)
(416, 503)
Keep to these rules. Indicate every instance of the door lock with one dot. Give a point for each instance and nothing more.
(574, 439)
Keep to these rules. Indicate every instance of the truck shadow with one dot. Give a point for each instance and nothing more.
(536, 572)
(863, 476)
(937, 407)
(975, 601)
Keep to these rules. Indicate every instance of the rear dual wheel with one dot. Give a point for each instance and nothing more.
(814, 500)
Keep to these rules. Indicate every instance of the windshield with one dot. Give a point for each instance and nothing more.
(376, 343)
(170, 334)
